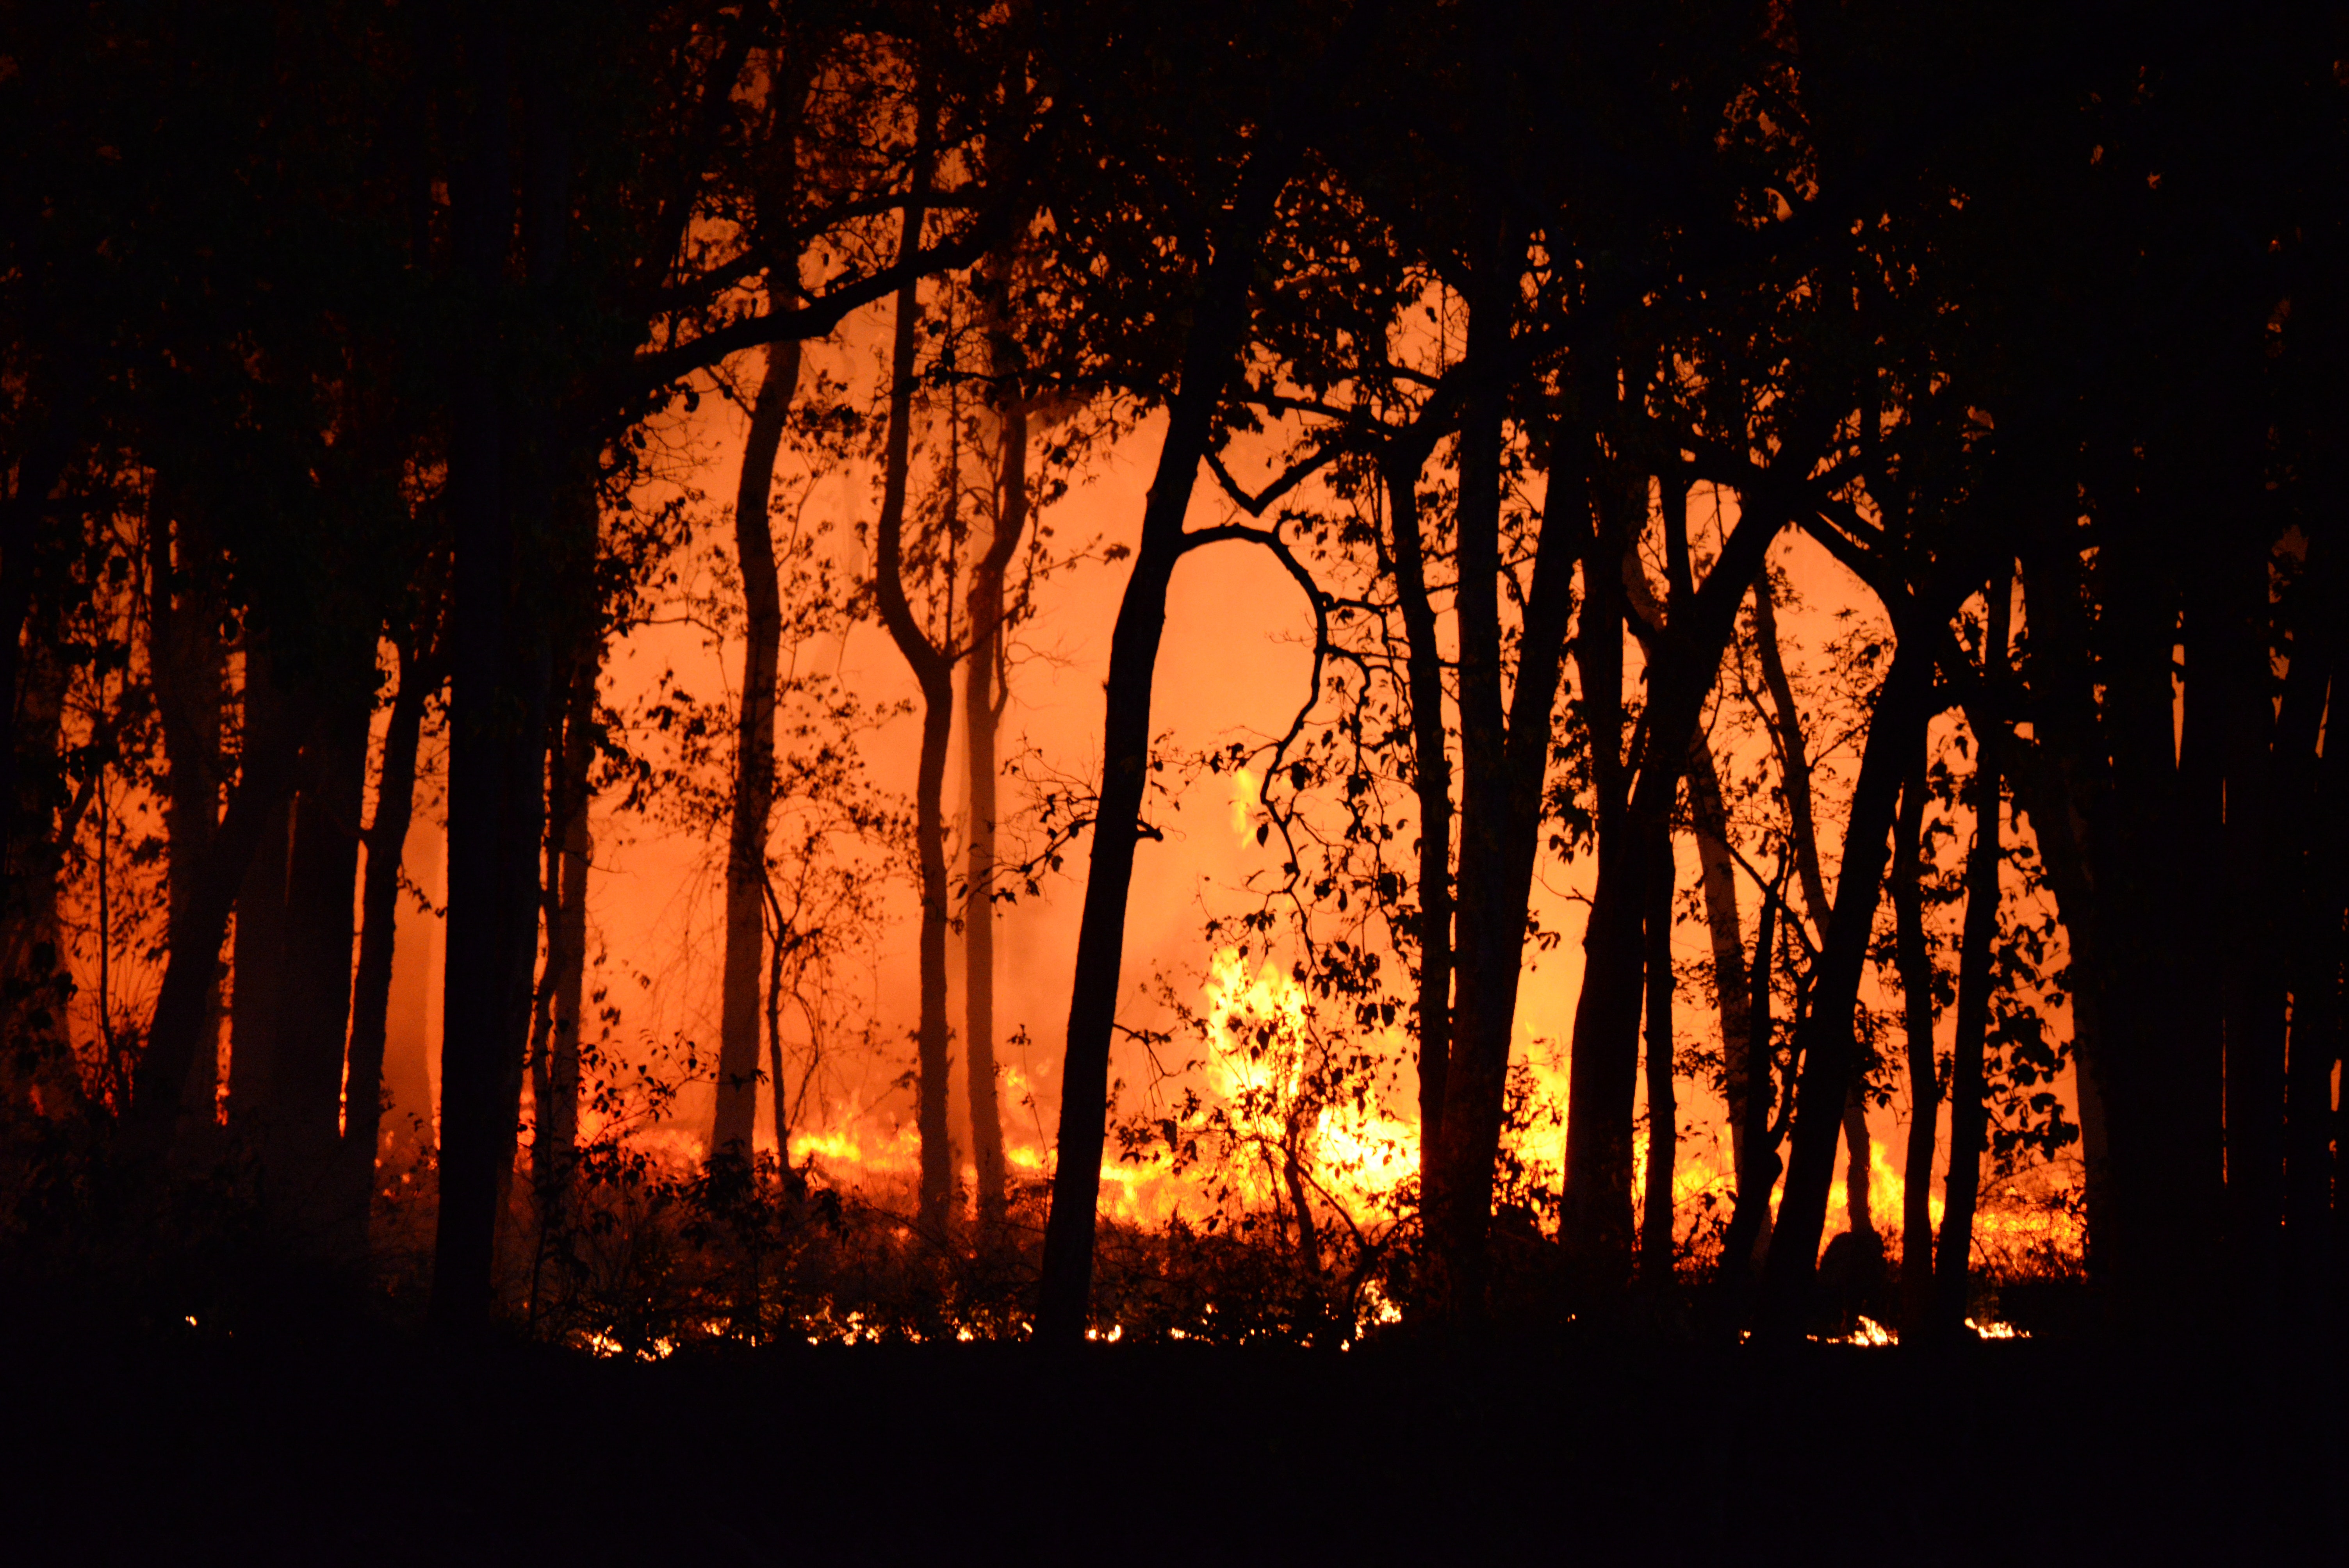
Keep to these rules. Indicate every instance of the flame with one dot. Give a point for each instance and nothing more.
(1265, 1081)
(1246, 796)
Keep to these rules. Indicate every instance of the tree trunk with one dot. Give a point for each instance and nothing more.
(2148, 854)
(191, 676)
(2251, 952)
(1656, 1239)
(1606, 1049)
(1969, 1113)
(1785, 719)
(192, 966)
(554, 1057)
(1915, 962)
(407, 1066)
(387, 841)
(1758, 1164)
(1785, 723)
(1431, 767)
(983, 695)
(1218, 331)
(933, 668)
(258, 976)
(1732, 982)
(303, 1135)
(2317, 1217)
(497, 699)
(2055, 783)
(754, 760)
(1824, 1038)
(1505, 753)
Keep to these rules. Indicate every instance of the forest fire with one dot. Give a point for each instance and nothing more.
(1120, 674)
(794, 779)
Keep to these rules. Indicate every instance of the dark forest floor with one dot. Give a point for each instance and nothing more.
(216, 1450)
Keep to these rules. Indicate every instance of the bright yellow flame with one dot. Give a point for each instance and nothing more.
(1247, 796)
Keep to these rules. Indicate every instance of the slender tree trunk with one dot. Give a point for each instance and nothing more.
(304, 1133)
(1786, 738)
(1915, 962)
(1794, 759)
(1606, 1049)
(387, 841)
(1505, 752)
(1732, 982)
(1824, 1038)
(1598, 1230)
(1969, 1113)
(2251, 958)
(192, 968)
(2053, 787)
(1656, 1238)
(1758, 1164)
(982, 700)
(1432, 783)
(256, 999)
(2316, 1212)
(933, 668)
(407, 1066)
(555, 1057)
(754, 760)
(191, 677)
(2148, 854)
(1218, 331)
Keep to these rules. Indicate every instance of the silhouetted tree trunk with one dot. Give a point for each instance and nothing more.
(2057, 784)
(554, 1046)
(387, 840)
(192, 968)
(754, 760)
(2146, 823)
(2317, 1213)
(1969, 1109)
(1597, 1236)
(2251, 958)
(1681, 668)
(1709, 818)
(1914, 961)
(1823, 1040)
(1656, 1239)
(407, 1011)
(497, 700)
(1431, 778)
(303, 1132)
(2308, 884)
(1505, 753)
(933, 668)
(1794, 761)
(1758, 1164)
(191, 677)
(1732, 984)
(1211, 352)
(983, 696)
(256, 997)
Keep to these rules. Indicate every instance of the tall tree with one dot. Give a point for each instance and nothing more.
(754, 757)
(985, 689)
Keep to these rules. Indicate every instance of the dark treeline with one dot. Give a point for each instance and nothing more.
(337, 340)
